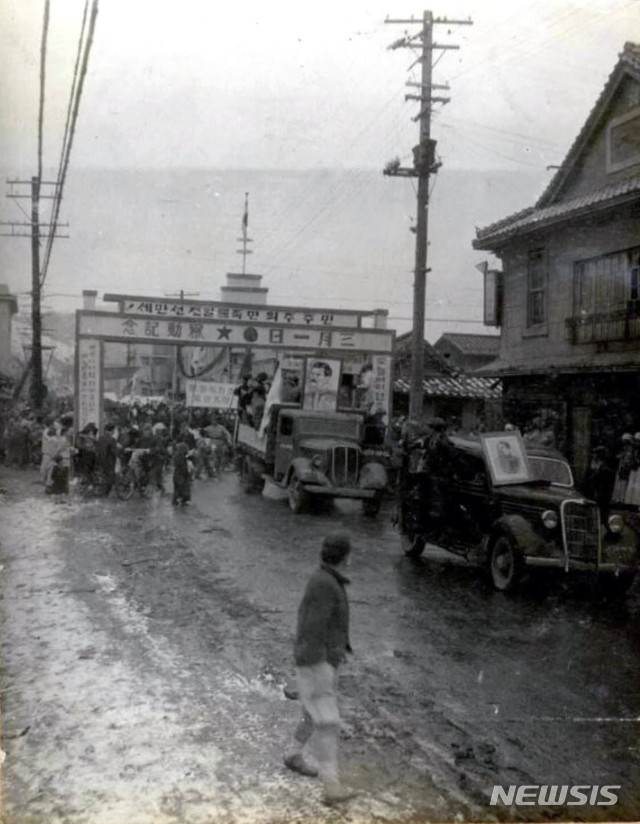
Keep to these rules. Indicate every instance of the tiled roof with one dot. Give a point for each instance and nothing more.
(629, 58)
(534, 218)
(545, 211)
(460, 387)
(434, 363)
(473, 344)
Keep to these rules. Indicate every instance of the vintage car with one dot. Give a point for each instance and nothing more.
(513, 508)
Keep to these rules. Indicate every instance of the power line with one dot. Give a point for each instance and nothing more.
(74, 118)
(43, 61)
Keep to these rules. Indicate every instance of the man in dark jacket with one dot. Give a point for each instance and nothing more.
(321, 645)
(106, 454)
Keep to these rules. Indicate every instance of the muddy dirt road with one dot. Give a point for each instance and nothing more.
(144, 651)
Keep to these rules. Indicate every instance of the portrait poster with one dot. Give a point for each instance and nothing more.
(322, 379)
(506, 457)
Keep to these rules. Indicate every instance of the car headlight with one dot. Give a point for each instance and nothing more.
(550, 519)
(615, 523)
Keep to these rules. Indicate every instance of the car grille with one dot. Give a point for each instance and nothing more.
(581, 527)
(344, 466)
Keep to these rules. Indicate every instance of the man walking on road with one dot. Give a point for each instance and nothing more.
(322, 642)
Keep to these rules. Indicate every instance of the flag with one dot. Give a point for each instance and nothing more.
(274, 395)
(245, 216)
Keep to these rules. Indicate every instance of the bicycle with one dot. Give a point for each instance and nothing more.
(135, 474)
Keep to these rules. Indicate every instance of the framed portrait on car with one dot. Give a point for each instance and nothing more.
(506, 457)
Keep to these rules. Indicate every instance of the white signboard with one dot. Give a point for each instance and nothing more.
(211, 395)
(89, 376)
(201, 310)
(232, 333)
(381, 385)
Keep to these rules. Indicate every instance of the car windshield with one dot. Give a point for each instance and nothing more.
(552, 470)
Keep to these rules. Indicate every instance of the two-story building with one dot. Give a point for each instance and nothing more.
(570, 286)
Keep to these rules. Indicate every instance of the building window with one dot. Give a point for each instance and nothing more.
(607, 284)
(623, 141)
(537, 288)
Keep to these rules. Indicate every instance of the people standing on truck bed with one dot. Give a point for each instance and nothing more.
(243, 394)
(258, 398)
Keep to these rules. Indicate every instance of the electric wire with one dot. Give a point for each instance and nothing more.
(57, 202)
(74, 118)
(43, 62)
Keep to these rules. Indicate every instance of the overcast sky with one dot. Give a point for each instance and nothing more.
(292, 85)
(286, 84)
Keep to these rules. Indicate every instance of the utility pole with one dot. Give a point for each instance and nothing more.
(424, 165)
(37, 387)
(18, 229)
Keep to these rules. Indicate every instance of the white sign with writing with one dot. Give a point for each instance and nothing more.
(211, 395)
(200, 310)
(381, 385)
(88, 397)
(232, 333)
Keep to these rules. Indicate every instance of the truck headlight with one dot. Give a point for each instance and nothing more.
(550, 519)
(317, 462)
(615, 523)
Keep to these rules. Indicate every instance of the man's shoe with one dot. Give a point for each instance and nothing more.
(337, 795)
(291, 692)
(297, 763)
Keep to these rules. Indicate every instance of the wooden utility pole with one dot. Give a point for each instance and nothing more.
(34, 230)
(37, 386)
(424, 165)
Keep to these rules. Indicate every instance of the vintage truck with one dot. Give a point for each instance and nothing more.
(314, 456)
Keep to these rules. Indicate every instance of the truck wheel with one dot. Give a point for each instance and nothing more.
(251, 481)
(371, 506)
(505, 563)
(298, 497)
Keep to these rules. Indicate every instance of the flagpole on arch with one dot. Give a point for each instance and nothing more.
(245, 240)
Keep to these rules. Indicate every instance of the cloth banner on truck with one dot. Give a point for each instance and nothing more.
(211, 395)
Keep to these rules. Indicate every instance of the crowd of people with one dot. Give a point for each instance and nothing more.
(144, 440)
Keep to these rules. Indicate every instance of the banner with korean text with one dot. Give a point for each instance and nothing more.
(210, 395)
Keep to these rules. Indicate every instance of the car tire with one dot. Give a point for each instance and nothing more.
(297, 496)
(505, 563)
(412, 545)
